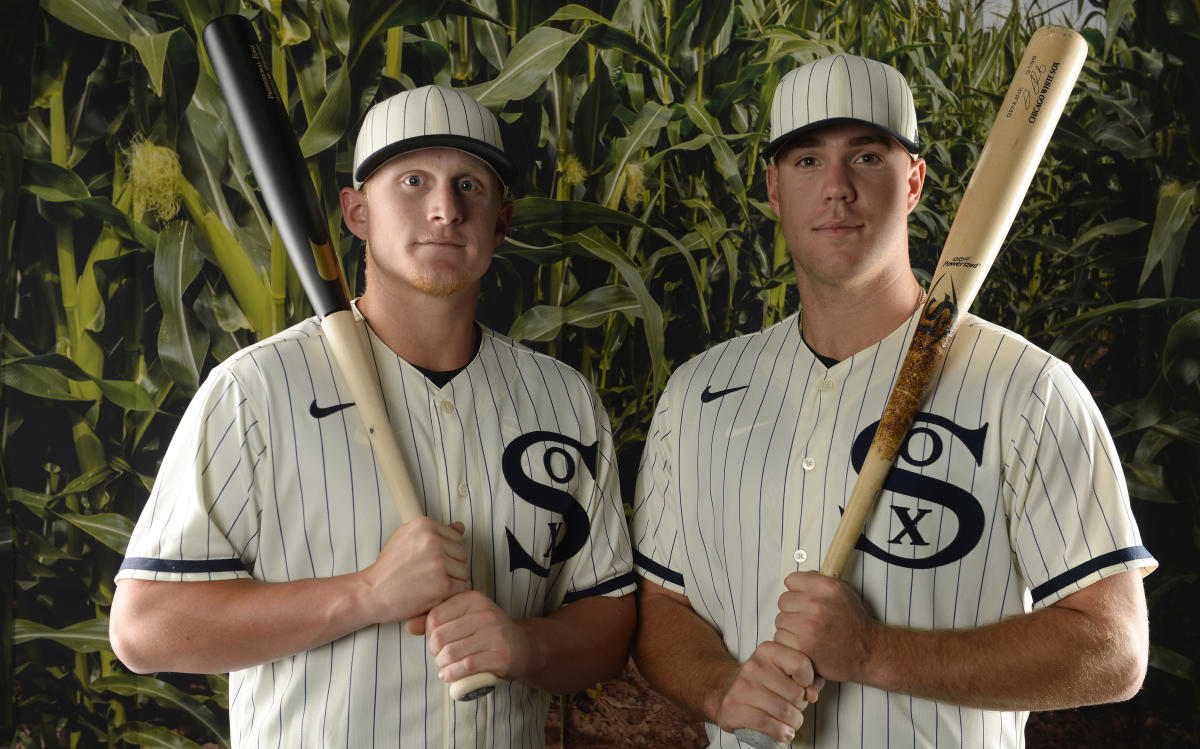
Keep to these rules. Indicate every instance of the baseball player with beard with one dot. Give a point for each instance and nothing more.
(270, 548)
(1001, 569)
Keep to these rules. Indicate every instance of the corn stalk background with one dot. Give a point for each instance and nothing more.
(137, 254)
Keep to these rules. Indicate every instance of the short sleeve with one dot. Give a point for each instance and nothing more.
(655, 526)
(200, 522)
(1072, 521)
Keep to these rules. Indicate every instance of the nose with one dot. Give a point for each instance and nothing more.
(838, 186)
(445, 204)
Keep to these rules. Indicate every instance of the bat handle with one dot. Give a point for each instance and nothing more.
(756, 739)
(350, 344)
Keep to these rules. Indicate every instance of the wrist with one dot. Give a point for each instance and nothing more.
(534, 648)
(712, 698)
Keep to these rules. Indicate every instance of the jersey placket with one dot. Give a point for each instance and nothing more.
(808, 466)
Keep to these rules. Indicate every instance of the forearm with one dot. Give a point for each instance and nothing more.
(580, 644)
(682, 656)
(221, 626)
(1054, 658)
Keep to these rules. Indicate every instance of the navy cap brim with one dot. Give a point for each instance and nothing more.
(501, 164)
(774, 146)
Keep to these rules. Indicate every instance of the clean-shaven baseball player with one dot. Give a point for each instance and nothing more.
(270, 547)
(1001, 569)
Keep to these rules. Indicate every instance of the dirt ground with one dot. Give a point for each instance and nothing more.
(626, 712)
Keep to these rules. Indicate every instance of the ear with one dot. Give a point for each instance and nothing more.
(916, 182)
(773, 186)
(503, 221)
(354, 211)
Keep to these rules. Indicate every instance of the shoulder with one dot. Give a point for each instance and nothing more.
(512, 362)
(739, 356)
(270, 358)
(997, 356)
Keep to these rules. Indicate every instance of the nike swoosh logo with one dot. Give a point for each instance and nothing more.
(709, 395)
(320, 412)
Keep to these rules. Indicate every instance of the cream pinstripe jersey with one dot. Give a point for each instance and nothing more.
(270, 476)
(1007, 496)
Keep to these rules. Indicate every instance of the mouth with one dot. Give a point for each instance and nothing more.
(837, 227)
(440, 243)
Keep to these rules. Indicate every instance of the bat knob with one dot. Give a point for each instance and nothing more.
(473, 687)
(756, 739)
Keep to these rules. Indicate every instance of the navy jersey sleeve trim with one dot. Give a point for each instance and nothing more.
(650, 565)
(607, 586)
(183, 565)
(1059, 582)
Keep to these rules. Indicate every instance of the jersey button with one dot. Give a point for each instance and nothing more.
(447, 407)
(827, 385)
(808, 464)
(462, 489)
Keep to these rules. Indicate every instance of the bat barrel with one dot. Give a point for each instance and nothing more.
(269, 141)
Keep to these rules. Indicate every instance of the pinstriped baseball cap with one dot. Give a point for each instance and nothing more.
(843, 88)
(429, 117)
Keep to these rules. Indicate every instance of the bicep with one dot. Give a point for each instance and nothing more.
(1116, 600)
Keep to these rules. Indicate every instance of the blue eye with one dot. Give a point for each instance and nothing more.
(413, 180)
(467, 185)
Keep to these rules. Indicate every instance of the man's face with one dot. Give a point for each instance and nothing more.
(843, 194)
(431, 219)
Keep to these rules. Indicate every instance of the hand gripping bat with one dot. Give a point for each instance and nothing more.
(274, 152)
(1028, 114)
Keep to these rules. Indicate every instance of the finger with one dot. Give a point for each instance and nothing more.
(791, 661)
(415, 626)
(813, 692)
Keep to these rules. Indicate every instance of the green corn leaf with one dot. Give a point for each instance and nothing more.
(109, 528)
(600, 246)
(529, 64)
(726, 162)
(182, 341)
(1173, 219)
(44, 376)
(100, 18)
(82, 637)
(1117, 228)
(150, 736)
(1181, 354)
(574, 12)
(610, 37)
(592, 116)
(86, 481)
(37, 502)
(152, 48)
(535, 212)
(164, 694)
(543, 322)
(1173, 662)
(329, 124)
(643, 134)
(53, 183)
(34, 378)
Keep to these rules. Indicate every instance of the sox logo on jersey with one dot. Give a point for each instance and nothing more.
(924, 446)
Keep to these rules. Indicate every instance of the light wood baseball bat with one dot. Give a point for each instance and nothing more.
(1018, 138)
(274, 153)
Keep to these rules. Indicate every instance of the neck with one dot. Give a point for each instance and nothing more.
(838, 323)
(436, 333)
